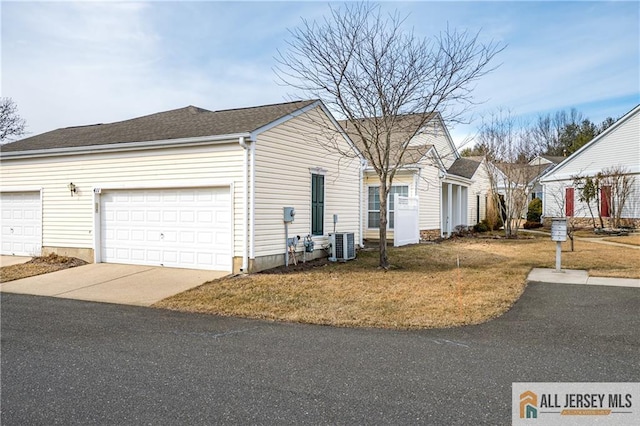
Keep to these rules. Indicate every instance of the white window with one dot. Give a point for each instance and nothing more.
(373, 205)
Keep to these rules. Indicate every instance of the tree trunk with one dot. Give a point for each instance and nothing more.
(384, 193)
(593, 219)
(570, 235)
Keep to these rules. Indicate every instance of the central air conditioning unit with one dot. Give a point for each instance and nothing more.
(343, 246)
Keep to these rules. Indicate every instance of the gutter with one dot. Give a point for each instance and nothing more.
(123, 146)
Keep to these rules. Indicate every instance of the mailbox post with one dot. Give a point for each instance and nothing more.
(559, 235)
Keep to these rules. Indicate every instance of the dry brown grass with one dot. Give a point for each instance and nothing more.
(38, 266)
(424, 290)
(633, 240)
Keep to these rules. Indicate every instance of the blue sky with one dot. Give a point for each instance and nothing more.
(76, 63)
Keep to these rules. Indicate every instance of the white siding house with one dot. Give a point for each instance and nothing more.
(618, 147)
(184, 188)
(428, 170)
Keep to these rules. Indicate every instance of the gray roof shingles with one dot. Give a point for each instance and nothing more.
(464, 167)
(404, 130)
(188, 122)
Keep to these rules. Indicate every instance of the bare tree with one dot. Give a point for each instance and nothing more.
(620, 184)
(11, 124)
(383, 81)
(509, 147)
(549, 130)
(588, 192)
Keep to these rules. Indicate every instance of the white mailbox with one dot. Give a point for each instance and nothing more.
(559, 229)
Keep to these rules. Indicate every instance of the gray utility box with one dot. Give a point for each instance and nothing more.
(289, 214)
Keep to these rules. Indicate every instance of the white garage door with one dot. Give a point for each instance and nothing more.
(21, 223)
(181, 228)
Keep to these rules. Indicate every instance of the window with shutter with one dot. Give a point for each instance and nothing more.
(605, 201)
(317, 204)
(569, 200)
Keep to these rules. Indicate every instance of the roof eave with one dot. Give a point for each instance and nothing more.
(449, 178)
(125, 146)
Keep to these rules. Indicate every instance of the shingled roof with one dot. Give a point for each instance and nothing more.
(464, 167)
(404, 129)
(188, 122)
(523, 173)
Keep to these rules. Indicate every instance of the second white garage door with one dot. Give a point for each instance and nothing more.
(182, 228)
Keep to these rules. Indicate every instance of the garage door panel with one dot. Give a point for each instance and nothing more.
(188, 228)
(21, 229)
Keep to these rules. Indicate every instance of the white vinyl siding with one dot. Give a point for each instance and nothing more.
(435, 135)
(479, 189)
(286, 156)
(69, 221)
(429, 197)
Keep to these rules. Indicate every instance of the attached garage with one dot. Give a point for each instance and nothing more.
(21, 223)
(186, 188)
(182, 228)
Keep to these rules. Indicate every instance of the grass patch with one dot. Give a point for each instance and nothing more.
(38, 266)
(424, 289)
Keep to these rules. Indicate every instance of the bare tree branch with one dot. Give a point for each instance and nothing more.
(373, 74)
(11, 124)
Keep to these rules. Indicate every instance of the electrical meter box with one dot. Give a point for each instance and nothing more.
(559, 229)
(289, 213)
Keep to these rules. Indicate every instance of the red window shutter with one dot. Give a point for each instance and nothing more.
(605, 201)
(569, 197)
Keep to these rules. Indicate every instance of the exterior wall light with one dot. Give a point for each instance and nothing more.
(72, 188)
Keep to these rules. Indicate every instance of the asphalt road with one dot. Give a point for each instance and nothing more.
(72, 362)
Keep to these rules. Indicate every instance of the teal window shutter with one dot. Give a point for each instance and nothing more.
(317, 204)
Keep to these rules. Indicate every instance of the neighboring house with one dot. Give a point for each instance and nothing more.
(543, 164)
(616, 147)
(426, 172)
(185, 188)
(519, 183)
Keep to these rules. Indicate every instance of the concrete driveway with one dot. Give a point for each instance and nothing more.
(113, 283)
(13, 260)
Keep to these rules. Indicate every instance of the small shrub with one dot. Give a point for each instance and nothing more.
(534, 211)
(462, 230)
(481, 227)
(531, 225)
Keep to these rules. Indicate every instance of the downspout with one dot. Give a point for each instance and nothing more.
(252, 209)
(245, 205)
(363, 166)
(440, 203)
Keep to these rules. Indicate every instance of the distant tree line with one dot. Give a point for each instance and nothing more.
(557, 134)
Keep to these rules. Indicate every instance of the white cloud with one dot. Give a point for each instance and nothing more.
(80, 63)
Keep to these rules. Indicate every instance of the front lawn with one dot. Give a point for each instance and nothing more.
(425, 289)
(38, 266)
